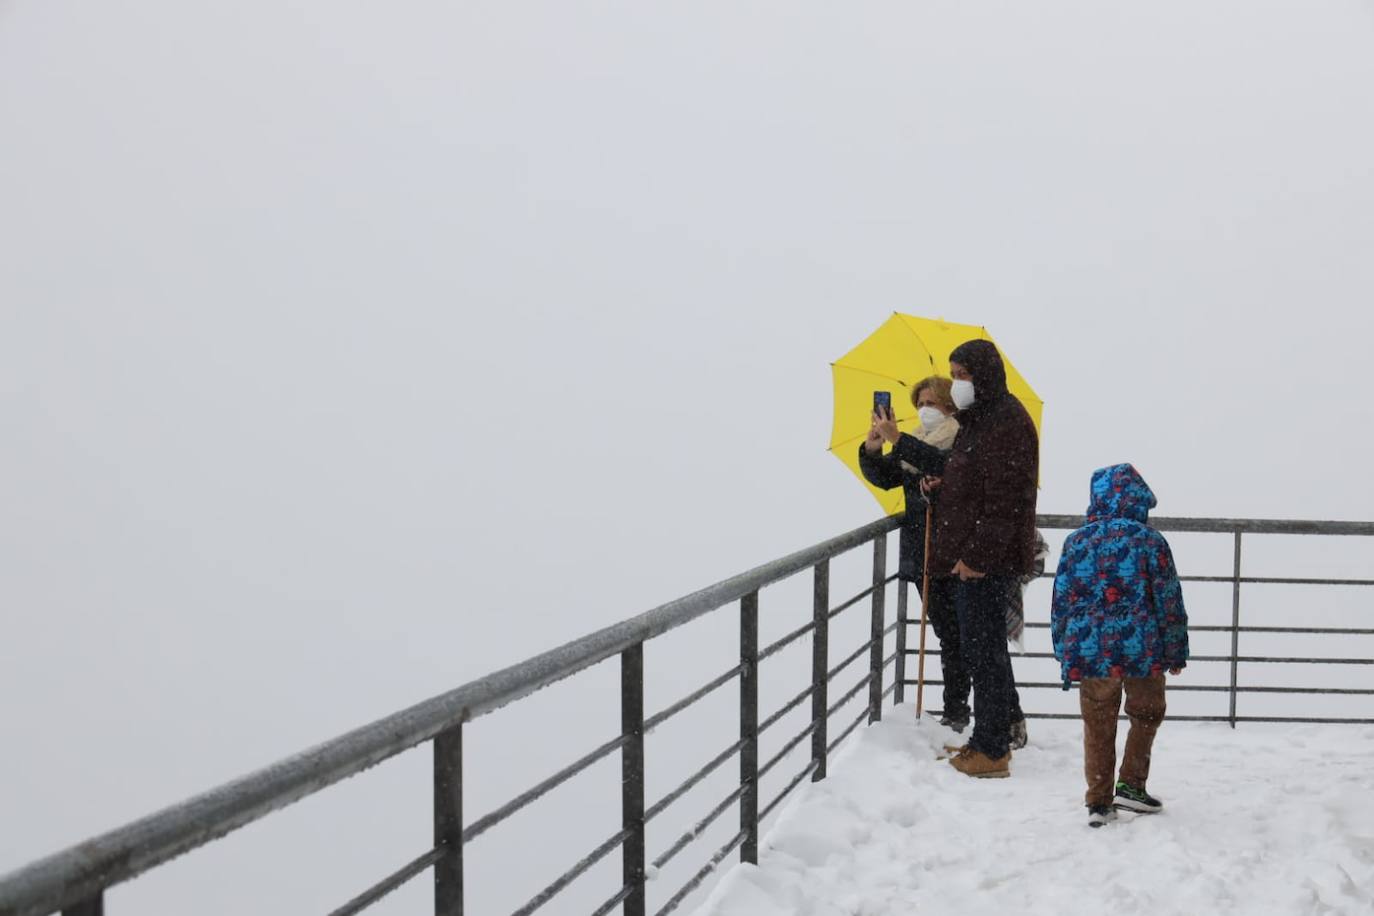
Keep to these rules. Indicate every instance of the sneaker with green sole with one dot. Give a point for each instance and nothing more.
(1129, 798)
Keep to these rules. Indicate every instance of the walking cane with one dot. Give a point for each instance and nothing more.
(925, 601)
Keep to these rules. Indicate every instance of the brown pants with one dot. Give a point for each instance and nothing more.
(1100, 700)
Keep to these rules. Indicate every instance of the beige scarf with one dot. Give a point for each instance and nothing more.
(941, 437)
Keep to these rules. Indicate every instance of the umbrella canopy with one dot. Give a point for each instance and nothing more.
(904, 350)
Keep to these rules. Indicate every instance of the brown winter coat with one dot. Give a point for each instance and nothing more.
(987, 501)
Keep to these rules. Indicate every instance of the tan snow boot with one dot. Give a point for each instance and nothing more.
(981, 766)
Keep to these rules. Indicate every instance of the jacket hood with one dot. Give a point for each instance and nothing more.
(1120, 492)
(984, 363)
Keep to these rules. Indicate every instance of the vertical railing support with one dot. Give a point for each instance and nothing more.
(875, 655)
(632, 775)
(820, 667)
(448, 821)
(1235, 629)
(749, 727)
(899, 695)
(91, 906)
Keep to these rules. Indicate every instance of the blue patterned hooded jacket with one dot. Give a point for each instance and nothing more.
(1118, 606)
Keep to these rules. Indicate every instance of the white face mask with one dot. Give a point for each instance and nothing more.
(962, 392)
(931, 417)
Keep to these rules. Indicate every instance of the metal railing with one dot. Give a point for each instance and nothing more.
(1237, 529)
(74, 881)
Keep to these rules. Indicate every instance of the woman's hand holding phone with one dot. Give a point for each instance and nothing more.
(874, 442)
(885, 425)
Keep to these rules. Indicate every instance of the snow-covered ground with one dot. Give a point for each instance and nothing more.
(1266, 819)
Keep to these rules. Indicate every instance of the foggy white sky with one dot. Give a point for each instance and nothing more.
(351, 350)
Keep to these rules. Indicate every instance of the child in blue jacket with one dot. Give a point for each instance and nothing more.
(1117, 622)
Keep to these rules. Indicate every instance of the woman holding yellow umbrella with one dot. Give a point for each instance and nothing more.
(935, 407)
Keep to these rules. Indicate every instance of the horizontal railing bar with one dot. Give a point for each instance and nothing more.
(1227, 526)
(390, 883)
(1258, 659)
(1274, 580)
(700, 876)
(858, 654)
(1330, 631)
(791, 705)
(1284, 661)
(572, 874)
(786, 749)
(795, 781)
(1341, 691)
(860, 596)
(693, 780)
(1172, 718)
(1257, 580)
(682, 841)
(80, 871)
(775, 648)
(837, 611)
(835, 707)
(659, 718)
(801, 631)
(615, 901)
(1202, 688)
(849, 730)
(1306, 721)
(1219, 628)
(485, 823)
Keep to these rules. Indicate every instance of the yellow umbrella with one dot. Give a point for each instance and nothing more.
(904, 350)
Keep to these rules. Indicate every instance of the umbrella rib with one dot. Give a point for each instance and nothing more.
(930, 356)
(894, 378)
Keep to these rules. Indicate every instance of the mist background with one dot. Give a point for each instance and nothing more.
(351, 352)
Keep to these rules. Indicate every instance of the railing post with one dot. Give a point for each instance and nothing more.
(820, 666)
(749, 726)
(875, 655)
(632, 775)
(899, 695)
(1235, 629)
(92, 906)
(448, 821)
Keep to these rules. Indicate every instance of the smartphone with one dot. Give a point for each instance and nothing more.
(882, 403)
